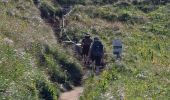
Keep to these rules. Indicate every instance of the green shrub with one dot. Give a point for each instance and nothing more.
(13, 72)
(15, 65)
(149, 5)
(85, 2)
(96, 87)
(55, 72)
(147, 8)
(71, 2)
(72, 68)
(124, 17)
(47, 11)
(104, 1)
(46, 90)
(123, 4)
(103, 13)
(60, 67)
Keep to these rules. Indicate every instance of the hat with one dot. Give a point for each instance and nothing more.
(87, 35)
(96, 38)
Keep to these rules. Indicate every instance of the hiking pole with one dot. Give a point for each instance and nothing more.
(92, 69)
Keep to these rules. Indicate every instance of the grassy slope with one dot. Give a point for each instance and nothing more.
(31, 65)
(30, 57)
(144, 72)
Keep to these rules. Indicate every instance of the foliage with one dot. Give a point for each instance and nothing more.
(145, 52)
(34, 66)
(29, 69)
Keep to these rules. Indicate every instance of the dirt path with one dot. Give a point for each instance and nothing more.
(72, 95)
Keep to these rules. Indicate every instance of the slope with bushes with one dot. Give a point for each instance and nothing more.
(143, 72)
(32, 63)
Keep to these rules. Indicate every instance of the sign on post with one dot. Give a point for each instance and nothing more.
(117, 48)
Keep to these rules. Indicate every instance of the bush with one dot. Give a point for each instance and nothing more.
(104, 1)
(123, 4)
(147, 8)
(54, 70)
(60, 67)
(84, 2)
(47, 10)
(12, 66)
(72, 68)
(46, 90)
(104, 13)
(149, 5)
(71, 2)
(124, 17)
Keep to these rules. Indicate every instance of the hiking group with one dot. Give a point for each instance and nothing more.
(92, 51)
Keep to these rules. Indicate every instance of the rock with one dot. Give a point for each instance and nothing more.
(116, 28)
(21, 7)
(78, 17)
(20, 53)
(142, 75)
(37, 19)
(12, 12)
(25, 18)
(4, 1)
(8, 41)
(117, 33)
(107, 96)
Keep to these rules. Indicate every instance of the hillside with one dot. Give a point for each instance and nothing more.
(143, 72)
(35, 64)
(32, 63)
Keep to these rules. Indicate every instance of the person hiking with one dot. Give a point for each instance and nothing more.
(37, 2)
(86, 43)
(96, 53)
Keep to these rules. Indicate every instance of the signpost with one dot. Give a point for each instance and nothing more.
(66, 10)
(117, 48)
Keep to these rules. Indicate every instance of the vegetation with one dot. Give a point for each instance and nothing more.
(33, 65)
(143, 71)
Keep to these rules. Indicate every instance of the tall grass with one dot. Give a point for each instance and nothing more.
(32, 67)
(143, 72)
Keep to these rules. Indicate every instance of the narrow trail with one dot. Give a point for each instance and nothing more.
(58, 28)
(72, 95)
(76, 92)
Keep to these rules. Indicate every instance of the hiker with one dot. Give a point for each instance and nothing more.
(37, 2)
(96, 53)
(86, 43)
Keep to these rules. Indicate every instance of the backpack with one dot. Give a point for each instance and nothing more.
(87, 42)
(97, 49)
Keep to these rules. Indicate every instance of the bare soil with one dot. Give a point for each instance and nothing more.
(72, 95)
